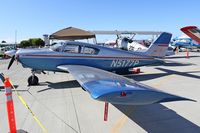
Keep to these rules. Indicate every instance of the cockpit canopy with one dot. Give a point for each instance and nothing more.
(74, 48)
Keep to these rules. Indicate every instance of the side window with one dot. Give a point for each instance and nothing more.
(71, 49)
(88, 50)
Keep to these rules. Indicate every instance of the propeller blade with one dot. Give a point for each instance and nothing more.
(11, 61)
(130, 40)
(126, 39)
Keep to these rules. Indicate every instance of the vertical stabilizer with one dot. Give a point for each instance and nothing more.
(159, 47)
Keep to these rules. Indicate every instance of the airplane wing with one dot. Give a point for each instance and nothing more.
(193, 32)
(116, 32)
(116, 89)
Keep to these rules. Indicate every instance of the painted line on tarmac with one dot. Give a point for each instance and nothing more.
(119, 124)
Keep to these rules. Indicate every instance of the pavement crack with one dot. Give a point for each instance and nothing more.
(75, 111)
(53, 113)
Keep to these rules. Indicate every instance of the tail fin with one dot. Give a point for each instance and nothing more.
(159, 47)
(193, 32)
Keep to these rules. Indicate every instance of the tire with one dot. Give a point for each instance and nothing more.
(33, 80)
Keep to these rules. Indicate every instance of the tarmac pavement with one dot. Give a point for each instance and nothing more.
(62, 106)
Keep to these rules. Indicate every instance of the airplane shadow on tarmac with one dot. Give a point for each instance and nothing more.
(186, 74)
(61, 85)
(169, 63)
(175, 64)
(2, 87)
(179, 57)
(157, 118)
(144, 77)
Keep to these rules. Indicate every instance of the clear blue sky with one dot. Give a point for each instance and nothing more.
(33, 18)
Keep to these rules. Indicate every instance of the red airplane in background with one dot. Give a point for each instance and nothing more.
(193, 32)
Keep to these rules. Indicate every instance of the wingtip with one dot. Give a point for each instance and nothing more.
(177, 98)
(187, 27)
(191, 100)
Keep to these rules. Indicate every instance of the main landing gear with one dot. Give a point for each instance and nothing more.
(33, 80)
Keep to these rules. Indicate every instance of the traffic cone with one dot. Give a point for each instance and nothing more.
(187, 53)
(10, 105)
(177, 50)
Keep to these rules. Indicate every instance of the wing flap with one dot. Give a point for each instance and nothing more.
(113, 88)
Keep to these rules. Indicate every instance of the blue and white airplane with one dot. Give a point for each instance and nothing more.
(185, 42)
(96, 69)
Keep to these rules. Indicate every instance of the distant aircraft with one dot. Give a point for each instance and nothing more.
(6, 47)
(185, 42)
(96, 68)
(10, 53)
(193, 32)
(127, 43)
(125, 39)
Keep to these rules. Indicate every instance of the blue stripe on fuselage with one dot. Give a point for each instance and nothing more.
(50, 63)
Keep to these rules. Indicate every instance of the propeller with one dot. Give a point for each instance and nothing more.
(126, 39)
(11, 61)
(130, 40)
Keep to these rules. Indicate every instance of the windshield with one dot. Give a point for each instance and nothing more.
(183, 40)
(57, 47)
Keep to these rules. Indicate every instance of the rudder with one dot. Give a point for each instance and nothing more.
(159, 47)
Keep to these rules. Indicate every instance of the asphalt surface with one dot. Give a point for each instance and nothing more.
(63, 107)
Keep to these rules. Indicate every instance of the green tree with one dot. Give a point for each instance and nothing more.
(40, 42)
(24, 44)
(3, 41)
(36, 42)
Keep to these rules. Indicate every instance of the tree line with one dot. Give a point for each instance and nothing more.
(32, 42)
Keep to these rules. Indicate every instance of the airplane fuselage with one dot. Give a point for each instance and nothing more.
(107, 59)
(185, 43)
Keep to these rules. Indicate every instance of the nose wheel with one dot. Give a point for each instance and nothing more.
(33, 80)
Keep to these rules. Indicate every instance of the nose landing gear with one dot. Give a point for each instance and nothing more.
(33, 80)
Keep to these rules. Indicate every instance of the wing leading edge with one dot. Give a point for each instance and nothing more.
(116, 89)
